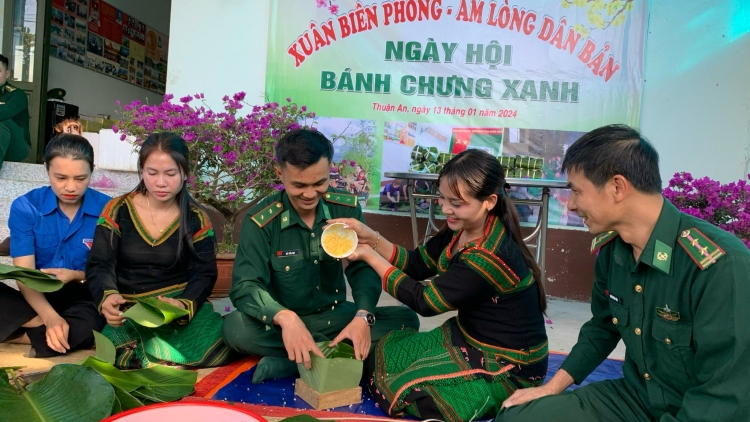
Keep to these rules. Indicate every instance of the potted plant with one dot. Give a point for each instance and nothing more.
(231, 155)
(726, 206)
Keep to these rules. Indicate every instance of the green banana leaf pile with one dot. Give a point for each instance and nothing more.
(152, 312)
(90, 391)
(428, 160)
(33, 279)
(338, 371)
(522, 166)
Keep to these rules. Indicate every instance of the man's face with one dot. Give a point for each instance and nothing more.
(594, 205)
(305, 187)
(4, 74)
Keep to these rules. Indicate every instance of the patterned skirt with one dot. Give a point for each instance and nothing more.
(196, 344)
(442, 374)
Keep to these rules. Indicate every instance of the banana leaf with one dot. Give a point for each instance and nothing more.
(113, 375)
(302, 418)
(67, 393)
(33, 279)
(153, 385)
(105, 350)
(163, 384)
(152, 312)
(124, 401)
(338, 371)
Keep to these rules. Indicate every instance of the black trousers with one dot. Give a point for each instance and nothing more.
(82, 318)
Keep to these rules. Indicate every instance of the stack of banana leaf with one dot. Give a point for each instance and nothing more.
(522, 166)
(428, 160)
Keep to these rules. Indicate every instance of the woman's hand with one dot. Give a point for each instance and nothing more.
(362, 253)
(173, 302)
(57, 333)
(65, 275)
(111, 309)
(365, 234)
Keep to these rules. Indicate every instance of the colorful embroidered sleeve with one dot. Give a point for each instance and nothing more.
(460, 286)
(421, 263)
(202, 267)
(100, 270)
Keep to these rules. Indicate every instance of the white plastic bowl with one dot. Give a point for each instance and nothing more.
(338, 229)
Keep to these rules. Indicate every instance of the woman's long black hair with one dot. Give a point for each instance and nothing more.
(176, 147)
(482, 176)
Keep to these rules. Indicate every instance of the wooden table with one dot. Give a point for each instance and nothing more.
(540, 231)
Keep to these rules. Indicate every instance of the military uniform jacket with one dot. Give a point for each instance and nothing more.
(14, 105)
(280, 263)
(682, 311)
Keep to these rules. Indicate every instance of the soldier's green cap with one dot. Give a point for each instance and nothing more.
(56, 94)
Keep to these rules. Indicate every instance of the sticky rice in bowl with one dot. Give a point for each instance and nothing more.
(339, 242)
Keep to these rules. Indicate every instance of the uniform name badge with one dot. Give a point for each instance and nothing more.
(668, 314)
(282, 254)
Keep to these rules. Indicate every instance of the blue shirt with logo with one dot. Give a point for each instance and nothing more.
(38, 227)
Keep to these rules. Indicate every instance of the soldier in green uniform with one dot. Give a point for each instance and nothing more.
(288, 292)
(14, 118)
(673, 287)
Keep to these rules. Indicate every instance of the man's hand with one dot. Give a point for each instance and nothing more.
(556, 385)
(359, 333)
(57, 333)
(525, 395)
(111, 309)
(173, 302)
(297, 338)
(63, 274)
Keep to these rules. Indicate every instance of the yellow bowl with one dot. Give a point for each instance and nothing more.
(339, 242)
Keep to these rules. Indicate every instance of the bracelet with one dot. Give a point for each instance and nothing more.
(375, 247)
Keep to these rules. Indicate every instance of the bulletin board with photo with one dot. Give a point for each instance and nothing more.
(96, 35)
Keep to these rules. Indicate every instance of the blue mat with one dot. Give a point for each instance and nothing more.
(280, 392)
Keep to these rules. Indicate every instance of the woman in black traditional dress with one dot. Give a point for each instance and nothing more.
(497, 343)
(157, 242)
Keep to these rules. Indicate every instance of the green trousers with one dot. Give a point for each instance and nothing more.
(610, 400)
(13, 145)
(249, 336)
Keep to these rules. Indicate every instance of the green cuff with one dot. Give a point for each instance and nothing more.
(366, 304)
(269, 311)
(576, 368)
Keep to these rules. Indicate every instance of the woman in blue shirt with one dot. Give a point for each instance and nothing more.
(52, 228)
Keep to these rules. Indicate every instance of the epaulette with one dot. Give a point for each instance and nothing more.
(264, 216)
(341, 199)
(10, 88)
(602, 240)
(700, 248)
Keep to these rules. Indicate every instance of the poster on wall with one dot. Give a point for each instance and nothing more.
(509, 78)
(100, 37)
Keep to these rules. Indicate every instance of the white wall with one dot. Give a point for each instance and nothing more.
(218, 49)
(696, 103)
(95, 93)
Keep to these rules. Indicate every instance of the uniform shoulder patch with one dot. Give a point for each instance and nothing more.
(10, 88)
(700, 248)
(602, 240)
(341, 198)
(264, 216)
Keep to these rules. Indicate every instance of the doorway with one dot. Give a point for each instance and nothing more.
(22, 24)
